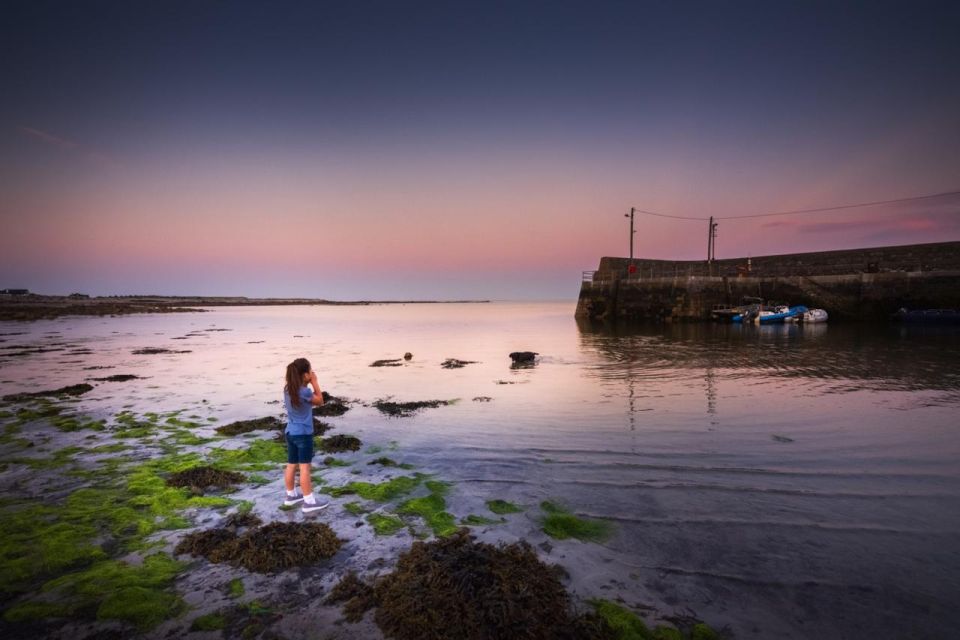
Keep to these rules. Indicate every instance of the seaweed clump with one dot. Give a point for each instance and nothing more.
(274, 547)
(396, 362)
(150, 351)
(332, 406)
(72, 390)
(456, 587)
(199, 478)
(268, 423)
(340, 443)
(407, 409)
(119, 377)
(453, 363)
(357, 595)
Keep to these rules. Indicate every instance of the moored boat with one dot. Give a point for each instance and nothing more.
(928, 316)
(760, 314)
(781, 314)
(814, 315)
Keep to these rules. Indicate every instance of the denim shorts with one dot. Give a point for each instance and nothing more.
(299, 449)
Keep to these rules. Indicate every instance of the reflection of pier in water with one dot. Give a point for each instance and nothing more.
(890, 358)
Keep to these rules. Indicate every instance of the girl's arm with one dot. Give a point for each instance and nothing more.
(317, 398)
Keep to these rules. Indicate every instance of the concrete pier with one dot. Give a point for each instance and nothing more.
(856, 284)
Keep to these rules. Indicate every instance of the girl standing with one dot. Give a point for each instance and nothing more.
(299, 400)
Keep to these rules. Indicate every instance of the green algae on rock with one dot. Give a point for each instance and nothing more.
(702, 631)
(112, 590)
(209, 622)
(663, 632)
(479, 521)
(385, 524)
(186, 438)
(235, 588)
(35, 544)
(174, 421)
(439, 487)
(502, 507)
(261, 455)
(130, 426)
(355, 508)
(381, 492)
(432, 509)
(559, 523)
(627, 625)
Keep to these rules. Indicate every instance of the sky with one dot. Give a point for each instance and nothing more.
(459, 150)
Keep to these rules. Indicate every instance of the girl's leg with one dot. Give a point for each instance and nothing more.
(288, 476)
(306, 482)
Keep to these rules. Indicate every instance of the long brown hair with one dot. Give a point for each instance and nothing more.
(295, 371)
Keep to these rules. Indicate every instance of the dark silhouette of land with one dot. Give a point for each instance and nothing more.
(35, 307)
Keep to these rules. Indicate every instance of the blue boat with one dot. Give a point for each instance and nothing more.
(759, 315)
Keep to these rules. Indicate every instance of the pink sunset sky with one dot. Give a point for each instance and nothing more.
(448, 168)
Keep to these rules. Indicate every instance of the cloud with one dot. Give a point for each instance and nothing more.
(777, 224)
(917, 226)
(833, 227)
(49, 138)
(83, 152)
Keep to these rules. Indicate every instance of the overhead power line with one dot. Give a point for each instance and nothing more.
(795, 211)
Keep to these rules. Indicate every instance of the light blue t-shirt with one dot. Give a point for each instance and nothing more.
(299, 419)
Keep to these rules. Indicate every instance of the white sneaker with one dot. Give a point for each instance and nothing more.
(290, 500)
(315, 506)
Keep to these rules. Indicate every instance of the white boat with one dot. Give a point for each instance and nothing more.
(814, 315)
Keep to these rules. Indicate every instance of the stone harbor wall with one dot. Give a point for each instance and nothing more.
(858, 284)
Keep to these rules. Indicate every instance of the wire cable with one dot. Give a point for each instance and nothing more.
(795, 211)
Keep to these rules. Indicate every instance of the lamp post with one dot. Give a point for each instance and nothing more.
(630, 215)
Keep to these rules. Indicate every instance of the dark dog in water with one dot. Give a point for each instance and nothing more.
(523, 357)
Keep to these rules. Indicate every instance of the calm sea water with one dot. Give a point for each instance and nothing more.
(790, 482)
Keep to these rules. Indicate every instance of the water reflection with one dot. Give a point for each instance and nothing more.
(874, 357)
(818, 480)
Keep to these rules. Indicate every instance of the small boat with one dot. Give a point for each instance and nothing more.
(928, 316)
(759, 314)
(735, 313)
(781, 314)
(814, 315)
(724, 313)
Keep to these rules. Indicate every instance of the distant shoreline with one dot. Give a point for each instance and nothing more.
(40, 307)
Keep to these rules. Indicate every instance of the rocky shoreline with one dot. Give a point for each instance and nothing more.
(161, 524)
(42, 307)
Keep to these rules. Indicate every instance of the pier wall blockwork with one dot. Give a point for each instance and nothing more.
(862, 284)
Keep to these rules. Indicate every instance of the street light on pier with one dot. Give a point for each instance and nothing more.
(630, 215)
